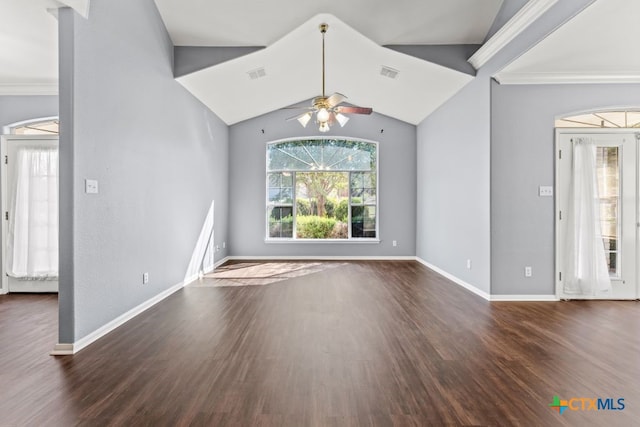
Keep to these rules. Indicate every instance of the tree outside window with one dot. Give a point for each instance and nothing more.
(322, 189)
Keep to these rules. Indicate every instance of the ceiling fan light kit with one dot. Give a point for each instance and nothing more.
(326, 108)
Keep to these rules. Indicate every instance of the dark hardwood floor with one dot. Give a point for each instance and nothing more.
(362, 344)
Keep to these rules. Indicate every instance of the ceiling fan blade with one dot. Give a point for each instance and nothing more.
(335, 99)
(353, 110)
(297, 108)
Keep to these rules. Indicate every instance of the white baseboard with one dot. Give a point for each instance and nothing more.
(321, 258)
(63, 349)
(219, 263)
(524, 298)
(455, 279)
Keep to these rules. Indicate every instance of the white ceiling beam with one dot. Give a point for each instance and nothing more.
(526, 16)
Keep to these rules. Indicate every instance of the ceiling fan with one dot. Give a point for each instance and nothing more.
(327, 108)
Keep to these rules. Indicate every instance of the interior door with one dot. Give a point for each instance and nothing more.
(617, 164)
(10, 146)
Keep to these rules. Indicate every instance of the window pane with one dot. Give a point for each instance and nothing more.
(322, 205)
(318, 179)
(274, 194)
(280, 188)
(321, 154)
(275, 179)
(49, 127)
(369, 196)
(363, 221)
(281, 222)
(287, 179)
(602, 119)
(287, 196)
(363, 188)
(608, 173)
(356, 181)
(369, 180)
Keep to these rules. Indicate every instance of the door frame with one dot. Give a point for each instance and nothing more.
(559, 256)
(4, 202)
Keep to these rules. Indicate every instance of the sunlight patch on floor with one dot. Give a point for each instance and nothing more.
(252, 273)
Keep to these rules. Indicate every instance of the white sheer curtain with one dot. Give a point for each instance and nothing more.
(587, 271)
(32, 246)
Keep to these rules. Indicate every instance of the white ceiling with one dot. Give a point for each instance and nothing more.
(598, 45)
(261, 23)
(293, 68)
(28, 47)
(28, 50)
(292, 58)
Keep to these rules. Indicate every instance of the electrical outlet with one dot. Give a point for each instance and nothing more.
(395, 243)
(224, 245)
(469, 264)
(217, 248)
(91, 186)
(145, 278)
(545, 191)
(528, 272)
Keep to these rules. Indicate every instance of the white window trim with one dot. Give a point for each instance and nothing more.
(349, 239)
(8, 129)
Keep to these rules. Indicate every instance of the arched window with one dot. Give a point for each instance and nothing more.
(322, 189)
(48, 126)
(602, 119)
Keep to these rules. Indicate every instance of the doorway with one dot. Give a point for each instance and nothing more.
(29, 213)
(615, 204)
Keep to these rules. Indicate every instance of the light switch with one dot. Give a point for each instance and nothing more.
(91, 186)
(545, 191)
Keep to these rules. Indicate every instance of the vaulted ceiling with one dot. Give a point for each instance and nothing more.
(293, 72)
(28, 48)
(599, 45)
(291, 60)
(598, 42)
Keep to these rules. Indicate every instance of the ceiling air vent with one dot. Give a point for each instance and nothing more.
(388, 72)
(257, 73)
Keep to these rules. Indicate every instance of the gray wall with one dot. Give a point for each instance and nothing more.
(19, 108)
(453, 185)
(522, 158)
(187, 59)
(454, 143)
(397, 185)
(452, 56)
(160, 157)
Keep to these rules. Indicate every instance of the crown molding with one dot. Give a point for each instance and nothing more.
(566, 78)
(28, 89)
(531, 11)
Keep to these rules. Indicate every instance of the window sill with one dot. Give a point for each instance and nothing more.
(323, 241)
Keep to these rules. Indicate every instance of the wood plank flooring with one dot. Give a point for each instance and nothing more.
(362, 344)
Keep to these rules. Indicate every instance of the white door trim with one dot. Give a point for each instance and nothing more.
(4, 141)
(563, 132)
